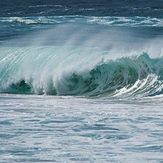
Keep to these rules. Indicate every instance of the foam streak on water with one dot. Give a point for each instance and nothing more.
(68, 129)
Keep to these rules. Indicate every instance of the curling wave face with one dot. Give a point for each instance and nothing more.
(22, 72)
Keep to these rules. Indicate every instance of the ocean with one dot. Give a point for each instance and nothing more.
(81, 81)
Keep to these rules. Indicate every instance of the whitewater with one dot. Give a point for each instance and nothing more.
(80, 85)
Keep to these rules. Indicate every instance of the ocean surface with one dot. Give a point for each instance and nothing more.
(81, 81)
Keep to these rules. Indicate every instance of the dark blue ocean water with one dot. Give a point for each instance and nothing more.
(152, 8)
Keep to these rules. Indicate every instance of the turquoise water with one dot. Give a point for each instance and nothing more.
(70, 129)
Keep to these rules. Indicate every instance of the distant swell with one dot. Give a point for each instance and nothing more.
(141, 76)
(135, 21)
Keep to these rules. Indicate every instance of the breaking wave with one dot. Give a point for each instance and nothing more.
(127, 76)
(81, 60)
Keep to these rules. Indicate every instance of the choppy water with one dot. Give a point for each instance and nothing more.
(68, 129)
